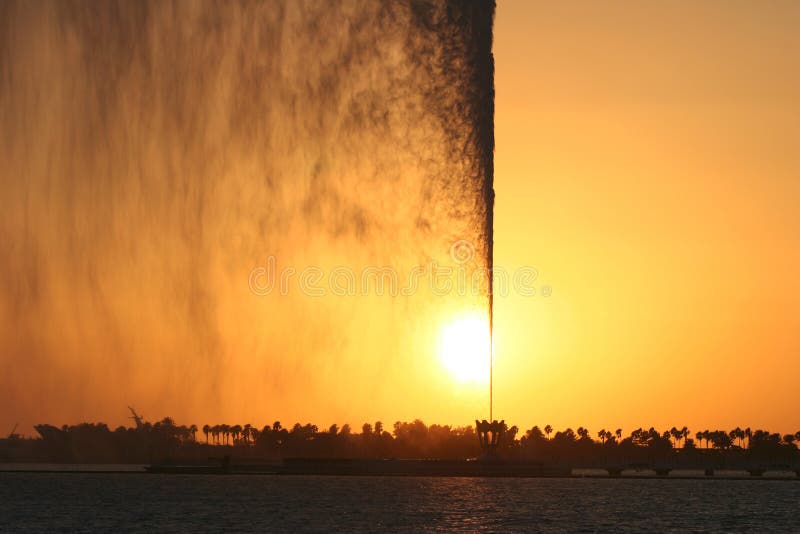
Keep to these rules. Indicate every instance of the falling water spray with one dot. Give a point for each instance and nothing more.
(152, 154)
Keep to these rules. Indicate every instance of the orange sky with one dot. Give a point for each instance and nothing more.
(647, 165)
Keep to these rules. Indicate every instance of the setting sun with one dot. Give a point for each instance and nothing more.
(464, 349)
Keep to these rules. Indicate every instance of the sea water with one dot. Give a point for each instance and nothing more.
(125, 501)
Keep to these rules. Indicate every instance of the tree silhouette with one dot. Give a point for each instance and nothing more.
(567, 436)
(510, 435)
(89, 442)
(720, 439)
(236, 431)
(548, 430)
(737, 434)
(533, 436)
(675, 434)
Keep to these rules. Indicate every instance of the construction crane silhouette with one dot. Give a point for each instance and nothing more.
(136, 417)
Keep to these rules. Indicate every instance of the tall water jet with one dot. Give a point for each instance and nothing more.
(486, 135)
(153, 155)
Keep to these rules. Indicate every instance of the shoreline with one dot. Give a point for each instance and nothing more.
(398, 468)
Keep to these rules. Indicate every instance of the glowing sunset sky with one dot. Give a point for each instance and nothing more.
(647, 164)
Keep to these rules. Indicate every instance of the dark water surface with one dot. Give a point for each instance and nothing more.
(91, 501)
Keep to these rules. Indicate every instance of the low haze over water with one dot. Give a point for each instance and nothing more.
(72, 502)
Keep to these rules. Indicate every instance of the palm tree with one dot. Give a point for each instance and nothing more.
(206, 430)
(548, 430)
(533, 435)
(684, 434)
(721, 439)
(511, 433)
(618, 433)
(602, 435)
(236, 430)
(640, 436)
(737, 434)
(675, 434)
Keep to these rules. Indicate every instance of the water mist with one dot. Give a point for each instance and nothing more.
(152, 154)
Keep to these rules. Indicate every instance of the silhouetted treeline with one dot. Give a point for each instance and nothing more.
(146, 442)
